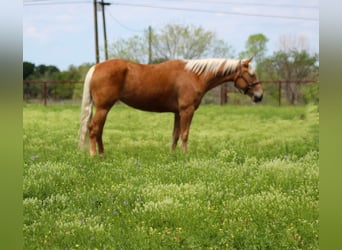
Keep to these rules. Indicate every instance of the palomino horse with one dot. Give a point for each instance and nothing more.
(176, 86)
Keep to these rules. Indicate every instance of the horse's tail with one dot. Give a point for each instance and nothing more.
(86, 109)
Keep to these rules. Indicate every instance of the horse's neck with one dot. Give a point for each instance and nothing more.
(212, 80)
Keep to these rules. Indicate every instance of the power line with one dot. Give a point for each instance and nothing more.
(44, 2)
(49, 2)
(214, 11)
(248, 4)
(53, 2)
(122, 25)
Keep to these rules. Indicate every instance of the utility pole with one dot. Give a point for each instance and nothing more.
(104, 28)
(97, 57)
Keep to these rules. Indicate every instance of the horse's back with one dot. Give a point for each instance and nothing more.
(151, 87)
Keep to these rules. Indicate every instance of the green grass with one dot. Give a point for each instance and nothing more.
(249, 181)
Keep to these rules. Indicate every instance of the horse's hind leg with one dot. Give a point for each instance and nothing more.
(176, 131)
(96, 130)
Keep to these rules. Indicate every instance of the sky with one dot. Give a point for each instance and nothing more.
(61, 32)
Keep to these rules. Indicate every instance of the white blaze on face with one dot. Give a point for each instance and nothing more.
(251, 70)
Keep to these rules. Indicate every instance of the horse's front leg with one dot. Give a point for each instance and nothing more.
(176, 131)
(185, 121)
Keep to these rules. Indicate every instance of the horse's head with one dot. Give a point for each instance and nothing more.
(246, 81)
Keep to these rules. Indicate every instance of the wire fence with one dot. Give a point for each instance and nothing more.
(52, 90)
(280, 91)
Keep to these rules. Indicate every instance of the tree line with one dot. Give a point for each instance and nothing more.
(292, 61)
(57, 90)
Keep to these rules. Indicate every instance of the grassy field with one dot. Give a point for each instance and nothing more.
(249, 181)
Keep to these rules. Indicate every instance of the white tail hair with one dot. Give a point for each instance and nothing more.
(86, 109)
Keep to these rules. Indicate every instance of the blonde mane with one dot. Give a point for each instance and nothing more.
(213, 65)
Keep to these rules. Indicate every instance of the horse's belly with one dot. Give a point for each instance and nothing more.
(156, 103)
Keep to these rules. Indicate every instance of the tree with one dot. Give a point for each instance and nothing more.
(187, 42)
(289, 42)
(256, 48)
(290, 66)
(56, 90)
(67, 90)
(46, 71)
(171, 42)
(133, 49)
(40, 72)
(82, 72)
(28, 69)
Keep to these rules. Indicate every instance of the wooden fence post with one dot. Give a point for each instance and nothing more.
(45, 92)
(279, 93)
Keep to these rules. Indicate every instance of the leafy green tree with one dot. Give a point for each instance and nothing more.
(171, 42)
(78, 87)
(65, 90)
(256, 48)
(40, 72)
(46, 72)
(188, 42)
(133, 48)
(28, 69)
(291, 66)
(56, 90)
(62, 89)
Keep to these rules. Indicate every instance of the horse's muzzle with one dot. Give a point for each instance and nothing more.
(257, 98)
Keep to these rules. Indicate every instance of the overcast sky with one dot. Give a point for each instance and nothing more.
(61, 32)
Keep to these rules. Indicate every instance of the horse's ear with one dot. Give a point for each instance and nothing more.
(247, 61)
